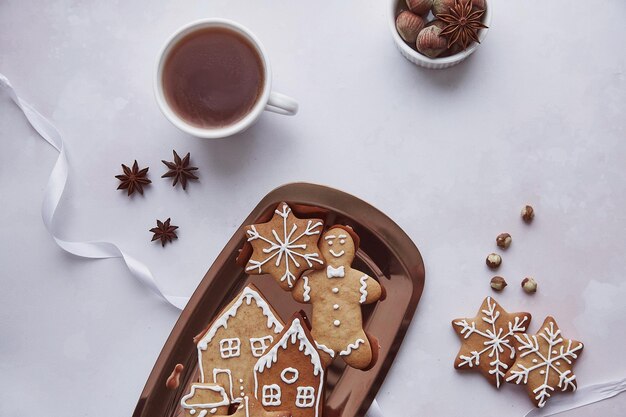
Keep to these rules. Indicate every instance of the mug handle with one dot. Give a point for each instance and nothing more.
(281, 104)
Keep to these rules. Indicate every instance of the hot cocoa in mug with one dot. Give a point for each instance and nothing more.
(213, 79)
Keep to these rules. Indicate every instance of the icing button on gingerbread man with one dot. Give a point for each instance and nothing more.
(336, 294)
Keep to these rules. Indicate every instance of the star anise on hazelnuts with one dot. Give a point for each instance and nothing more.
(165, 232)
(180, 170)
(133, 179)
(462, 23)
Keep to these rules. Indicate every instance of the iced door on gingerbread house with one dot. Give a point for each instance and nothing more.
(233, 342)
(290, 375)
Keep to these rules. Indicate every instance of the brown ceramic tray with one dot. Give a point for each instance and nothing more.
(386, 253)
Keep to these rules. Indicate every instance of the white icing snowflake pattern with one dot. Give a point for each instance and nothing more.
(286, 248)
(557, 352)
(495, 341)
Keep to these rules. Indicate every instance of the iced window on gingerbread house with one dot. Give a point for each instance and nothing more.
(305, 397)
(229, 348)
(271, 395)
(259, 345)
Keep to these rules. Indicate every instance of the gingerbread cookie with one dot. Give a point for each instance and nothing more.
(284, 247)
(240, 334)
(250, 407)
(337, 294)
(290, 375)
(544, 362)
(487, 340)
(205, 399)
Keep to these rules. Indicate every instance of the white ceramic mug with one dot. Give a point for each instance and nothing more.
(268, 100)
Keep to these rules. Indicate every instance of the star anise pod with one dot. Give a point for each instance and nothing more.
(462, 23)
(180, 170)
(164, 232)
(133, 179)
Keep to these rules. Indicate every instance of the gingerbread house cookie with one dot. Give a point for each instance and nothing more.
(284, 247)
(337, 294)
(290, 375)
(205, 399)
(230, 347)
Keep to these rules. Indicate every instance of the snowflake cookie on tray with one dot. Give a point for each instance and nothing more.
(544, 362)
(488, 340)
(284, 247)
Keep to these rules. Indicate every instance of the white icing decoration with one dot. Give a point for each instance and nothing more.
(328, 237)
(203, 413)
(363, 289)
(337, 254)
(337, 323)
(292, 379)
(495, 341)
(224, 401)
(213, 410)
(529, 344)
(335, 290)
(258, 345)
(332, 272)
(336, 307)
(557, 363)
(247, 294)
(241, 387)
(295, 334)
(217, 371)
(305, 397)
(342, 236)
(326, 349)
(307, 289)
(342, 241)
(230, 348)
(285, 247)
(192, 411)
(271, 395)
(240, 380)
(351, 347)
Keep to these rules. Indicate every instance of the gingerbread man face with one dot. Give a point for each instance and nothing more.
(337, 247)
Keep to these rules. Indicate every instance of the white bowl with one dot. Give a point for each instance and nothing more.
(424, 61)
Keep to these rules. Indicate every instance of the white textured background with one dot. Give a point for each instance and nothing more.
(536, 115)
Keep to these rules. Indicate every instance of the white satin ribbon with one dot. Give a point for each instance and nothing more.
(581, 397)
(54, 192)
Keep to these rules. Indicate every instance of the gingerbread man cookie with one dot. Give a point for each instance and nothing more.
(488, 340)
(336, 294)
(284, 247)
(544, 362)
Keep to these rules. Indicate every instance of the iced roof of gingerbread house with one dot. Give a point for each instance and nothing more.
(296, 334)
(248, 294)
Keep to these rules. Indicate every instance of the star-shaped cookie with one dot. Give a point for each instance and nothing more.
(544, 362)
(284, 247)
(487, 340)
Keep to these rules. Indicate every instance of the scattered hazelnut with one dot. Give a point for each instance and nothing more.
(503, 240)
(493, 260)
(409, 25)
(498, 283)
(420, 7)
(430, 43)
(528, 213)
(529, 285)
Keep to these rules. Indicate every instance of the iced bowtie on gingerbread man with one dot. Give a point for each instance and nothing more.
(336, 294)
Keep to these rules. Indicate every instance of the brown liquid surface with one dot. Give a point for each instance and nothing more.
(213, 77)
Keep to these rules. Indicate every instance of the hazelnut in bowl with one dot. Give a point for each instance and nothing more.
(438, 34)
